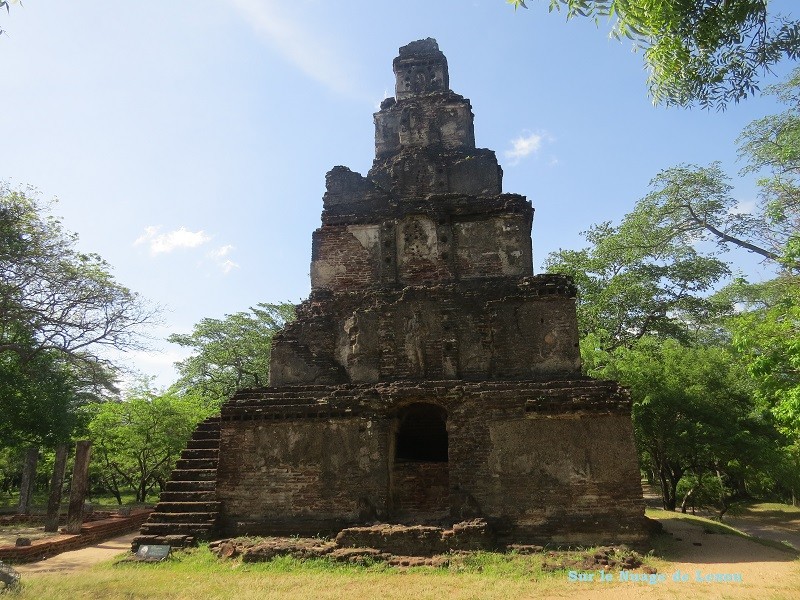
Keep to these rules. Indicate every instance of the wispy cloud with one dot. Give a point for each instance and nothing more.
(220, 258)
(162, 243)
(313, 52)
(743, 207)
(525, 145)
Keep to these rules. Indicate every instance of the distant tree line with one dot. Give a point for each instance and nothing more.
(713, 369)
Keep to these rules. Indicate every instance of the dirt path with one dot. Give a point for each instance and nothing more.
(769, 524)
(80, 559)
(746, 569)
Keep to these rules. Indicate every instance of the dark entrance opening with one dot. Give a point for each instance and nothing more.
(422, 434)
(420, 489)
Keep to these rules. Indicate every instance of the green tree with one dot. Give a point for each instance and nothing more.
(708, 52)
(771, 146)
(693, 414)
(38, 401)
(638, 279)
(67, 300)
(59, 309)
(767, 335)
(230, 353)
(697, 203)
(136, 442)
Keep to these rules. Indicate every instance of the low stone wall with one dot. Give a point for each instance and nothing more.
(91, 532)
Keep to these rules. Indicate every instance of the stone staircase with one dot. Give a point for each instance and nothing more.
(187, 510)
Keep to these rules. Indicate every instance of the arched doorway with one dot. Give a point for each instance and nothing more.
(420, 475)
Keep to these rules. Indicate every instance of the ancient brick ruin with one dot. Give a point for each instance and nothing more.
(430, 377)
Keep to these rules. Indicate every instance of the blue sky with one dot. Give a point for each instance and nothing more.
(187, 142)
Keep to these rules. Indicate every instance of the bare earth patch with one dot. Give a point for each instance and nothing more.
(700, 564)
(10, 533)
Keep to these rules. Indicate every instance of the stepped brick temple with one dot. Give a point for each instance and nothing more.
(430, 377)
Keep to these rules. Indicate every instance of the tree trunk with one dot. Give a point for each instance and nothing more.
(669, 485)
(723, 501)
(56, 487)
(28, 481)
(689, 496)
(80, 484)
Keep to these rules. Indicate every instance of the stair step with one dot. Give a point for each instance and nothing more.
(187, 507)
(211, 434)
(182, 517)
(185, 496)
(196, 463)
(208, 426)
(191, 486)
(203, 444)
(193, 453)
(193, 475)
(195, 529)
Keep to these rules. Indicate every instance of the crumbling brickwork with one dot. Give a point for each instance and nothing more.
(430, 377)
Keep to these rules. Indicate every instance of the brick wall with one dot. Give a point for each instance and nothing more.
(91, 533)
(540, 461)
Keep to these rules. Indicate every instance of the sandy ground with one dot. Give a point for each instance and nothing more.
(769, 524)
(10, 533)
(764, 572)
(82, 558)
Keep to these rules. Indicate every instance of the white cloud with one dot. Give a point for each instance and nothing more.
(313, 52)
(162, 243)
(218, 255)
(228, 266)
(525, 145)
(221, 252)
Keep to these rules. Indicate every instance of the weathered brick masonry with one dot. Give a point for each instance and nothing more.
(430, 377)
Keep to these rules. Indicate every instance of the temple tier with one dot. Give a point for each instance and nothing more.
(430, 377)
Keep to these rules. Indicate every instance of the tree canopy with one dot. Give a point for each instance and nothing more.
(54, 297)
(59, 309)
(714, 374)
(697, 51)
(639, 278)
(136, 442)
(230, 353)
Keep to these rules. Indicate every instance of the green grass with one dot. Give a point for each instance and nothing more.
(9, 502)
(198, 574)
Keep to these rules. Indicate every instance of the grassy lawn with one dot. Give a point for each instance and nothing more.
(198, 575)
(9, 502)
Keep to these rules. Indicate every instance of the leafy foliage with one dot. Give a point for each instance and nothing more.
(772, 144)
(136, 442)
(59, 308)
(768, 338)
(55, 298)
(709, 52)
(39, 401)
(693, 412)
(639, 278)
(230, 353)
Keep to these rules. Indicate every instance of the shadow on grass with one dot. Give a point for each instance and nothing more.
(698, 540)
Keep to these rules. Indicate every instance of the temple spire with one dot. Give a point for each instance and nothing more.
(421, 68)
